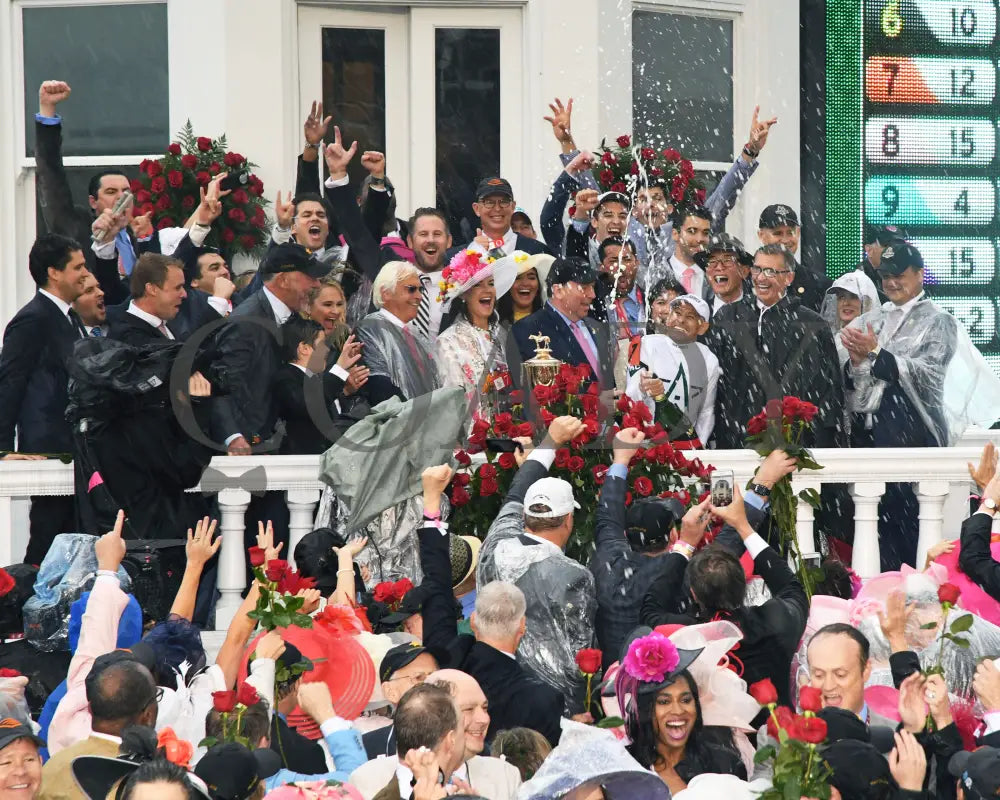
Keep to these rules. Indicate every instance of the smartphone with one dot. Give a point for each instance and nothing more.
(504, 446)
(235, 181)
(722, 487)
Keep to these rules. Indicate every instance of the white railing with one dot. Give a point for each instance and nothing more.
(940, 474)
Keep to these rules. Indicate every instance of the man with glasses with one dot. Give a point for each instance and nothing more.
(770, 346)
(495, 206)
(727, 268)
(779, 224)
(402, 668)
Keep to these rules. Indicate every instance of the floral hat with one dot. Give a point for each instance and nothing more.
(650, 662)
(469, 268)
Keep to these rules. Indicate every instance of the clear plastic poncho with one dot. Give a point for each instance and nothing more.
(942, 373)
(857, 284)
(396, 354)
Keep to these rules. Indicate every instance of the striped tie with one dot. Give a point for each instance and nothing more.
(96, 331)
(422, 324)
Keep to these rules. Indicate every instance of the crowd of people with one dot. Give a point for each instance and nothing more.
(510, 669)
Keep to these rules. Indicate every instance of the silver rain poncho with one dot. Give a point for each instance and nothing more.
(561, 602)
(396, 354)
(942, 373)
(857, 284)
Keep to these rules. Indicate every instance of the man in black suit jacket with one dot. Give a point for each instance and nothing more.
(517, 698)
(571, 291)
(495, 206)
(37, 344)
(157, 287)
(975, 557)
(779, 224)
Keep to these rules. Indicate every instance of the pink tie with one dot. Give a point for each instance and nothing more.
(588, 350)
(687, 278)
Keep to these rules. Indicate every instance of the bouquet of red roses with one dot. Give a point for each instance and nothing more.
(780, 426)
(169, 188)
(627, 166)
(278, 606)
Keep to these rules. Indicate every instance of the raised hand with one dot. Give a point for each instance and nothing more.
(893, 621)
(912, 708)
(734, 514)
(265, 541)
(311, 598)
(357, 376)
(987, 467)
(423, 763)
(142, 226)
(774, 467)
(561, 121)
(350, 353)
(223, 287)
(110, 548)
(374, 162)
(337, 158)
(908, 762)
(284, 213)
(50, 94)
(435, 479)
(200, 547)
(626, 442)
(759, 131)
(581, 162)
(986, 685)
(585, 202)
(315, 700)
(108, 225)
(350, 550)
(694, 523)
(270, 645)
(315, 124)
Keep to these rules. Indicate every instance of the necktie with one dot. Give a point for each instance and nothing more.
(96, 331)
(74, 319)
(687, 279)
(126, 256)
(162, 328)
(587, 348)
(422, 324)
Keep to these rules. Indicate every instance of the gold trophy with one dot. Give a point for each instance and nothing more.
(541, 369)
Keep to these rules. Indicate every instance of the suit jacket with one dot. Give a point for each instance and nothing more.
(809, 287)
(391, 790)
(548, 322)
(380, 742)
(57, 774)
(128, 328)
(295, 392)
(37, 344)
(195, 311)
(249, 356)
(975, 557)
(298, 753)
(490, 777)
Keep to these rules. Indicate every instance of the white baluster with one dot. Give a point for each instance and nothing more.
(7, 524)
(805, 519)
(301, 510)
(232, 558)
(932, 496)
(866, 559)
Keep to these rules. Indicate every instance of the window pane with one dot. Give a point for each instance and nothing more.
(78, 178)
(354, 89)
(115, 59)
(467, 90)
(682, 84)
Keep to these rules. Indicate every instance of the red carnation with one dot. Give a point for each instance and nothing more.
(276, 569)
(488, 487)
(810, 699)
(203, 178)
(575, 464)
(383, 592)
(562, 457)
(589, 660)
(189, 161)
(227, 235)
(648, 153)
(948, 593)
(811, 730)
(7, 672)
(463, 458)
(459, 497)
(643, 486)
(248, 241)
(174, 149)
(236, 215)
(600, 473)
(166, 222)
(624, 141)
(223, 702)
(204, 144)
(256, 555)
(401, 587)
(240, 197)
(607, 176)
(158, 184)
(764, 692)
(246, 695)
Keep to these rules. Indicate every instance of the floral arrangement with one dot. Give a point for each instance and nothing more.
(798, 771)
(625, 167)
(463, 267)
(657, 468)
(176, 751)
(277, 607)
(232, 705)
(651, 658)
(169, 188)
(780, 426)
(392, 594)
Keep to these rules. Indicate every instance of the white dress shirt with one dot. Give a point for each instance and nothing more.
(697, 277)
(392, 318)
(718, 302)
(281, 311)
(148, 318)
(508, 247)
(61, 304)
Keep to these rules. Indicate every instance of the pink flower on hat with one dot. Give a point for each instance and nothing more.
(651, 658)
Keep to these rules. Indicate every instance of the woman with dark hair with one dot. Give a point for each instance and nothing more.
(159, 780)
(528, 292)
(663, 718)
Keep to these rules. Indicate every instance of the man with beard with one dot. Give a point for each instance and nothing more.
(90, 308)
(770, 346)
(779, 224)
(429, 240)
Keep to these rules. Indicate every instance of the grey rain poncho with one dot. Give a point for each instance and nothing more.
(393, 353)
(942, 373)
(561, 602)
(862, 287)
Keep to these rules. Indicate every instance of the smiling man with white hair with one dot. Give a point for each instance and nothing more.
(400, 363)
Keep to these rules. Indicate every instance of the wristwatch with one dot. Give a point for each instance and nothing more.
(750, 153)
(760, 489)
(311, 146)
(873, 354)
(990, 504)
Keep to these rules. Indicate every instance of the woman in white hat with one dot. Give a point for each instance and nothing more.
(529, 291)
(470, 348)
(850, 296)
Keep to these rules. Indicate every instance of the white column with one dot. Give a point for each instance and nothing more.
(806, 516)
(932, 496)
(866, 559)
(232, 558)
(7, 524)
(301, 510)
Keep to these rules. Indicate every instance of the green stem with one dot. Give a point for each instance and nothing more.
(809, 764)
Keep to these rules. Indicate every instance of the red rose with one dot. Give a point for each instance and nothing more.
(248, 241)
(547, 416)
(592, 425)
(142, 197)
(562, 457)
(687, 169)
(517, 397)
(203, 178)
(189, 161)
(575, 464)
(239, 197)
(462, 479)
(236, 215)
(463, 458)
(135, 185)
(7, 672)
(255, 186)
(487, 471)
(786, 721)
(811, 730)
(671, 155)
(233, 159)
(790, 406)
(590, 404)
(383, 592)
(459, 497)
(655, 172)
(488, 487)
(166, 222)
(648, 153)
(480, 426)
(502, 424)
(258, 219)
(609, 158)
(227, 236)
(188, 202)
(757, 425)
(292, 582)
(643, 486)
(810, 699)
(276, 569)
(624, 141)
(155, 168)
(204, 144)
(764, 692)
(631, 420)
(807, 411)
(618, 187)
(401, 587)
(524, 429)
(223, 701)
(699, 196)
(543, 394)
(162, 202)
(174, 149)
(948, 593)
(246, 695)
(476, 442)
(256, 555)
(158, 184)
(677, 193)
(589, 660)
(607, 176)
(507, 461)
(215, 168)
(634, 169)
(600, 473)
(175, 178)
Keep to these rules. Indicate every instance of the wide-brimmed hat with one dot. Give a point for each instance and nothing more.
(469, 268)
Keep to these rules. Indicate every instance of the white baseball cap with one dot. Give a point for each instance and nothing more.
(699, 305)
(555, 493)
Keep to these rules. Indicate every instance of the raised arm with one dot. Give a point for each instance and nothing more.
(975, 557)
(609, 523)
(438, 610)
(722, 200)
(666, 590)
(199, 550)
(54, 195)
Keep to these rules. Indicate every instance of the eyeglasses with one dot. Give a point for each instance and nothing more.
(420, 677)
(767, 272)
(157, 697)
(494, 202)
(410, 288)
(722, 261)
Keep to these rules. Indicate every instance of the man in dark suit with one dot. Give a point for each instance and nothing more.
(574, 337)
(495, 206)
(975, 557)
(517, 697)
(779, 224)
(157, 287)
(37, 344)
(770, 346)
